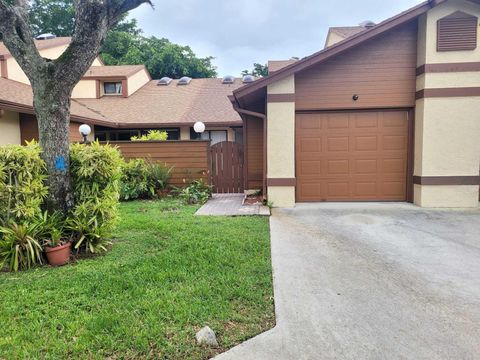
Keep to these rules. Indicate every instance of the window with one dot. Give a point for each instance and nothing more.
(112, 88)
(456, 32)
(215, 136)
(108, 134)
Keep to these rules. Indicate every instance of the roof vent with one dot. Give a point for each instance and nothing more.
(367, 24)
(184, 80)
(164, 81)
(46, 36)
(248, 79)
(229, 79)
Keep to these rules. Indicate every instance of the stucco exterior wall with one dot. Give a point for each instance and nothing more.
(185, 133)
(447, 129)
(9, 128)
(333, 38)
(281, 143)
(85, 89)
(136, 81)
(16, 73)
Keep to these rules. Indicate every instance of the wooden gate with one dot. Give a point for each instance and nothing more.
(226, 167)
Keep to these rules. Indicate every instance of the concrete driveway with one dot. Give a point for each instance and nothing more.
(372, 281)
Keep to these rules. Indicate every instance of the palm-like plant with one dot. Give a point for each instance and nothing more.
(18, 247)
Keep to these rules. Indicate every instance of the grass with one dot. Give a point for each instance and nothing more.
(168, 274)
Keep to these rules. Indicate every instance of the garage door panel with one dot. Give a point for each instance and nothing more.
(352, 156)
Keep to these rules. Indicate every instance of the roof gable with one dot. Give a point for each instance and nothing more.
(338, 48)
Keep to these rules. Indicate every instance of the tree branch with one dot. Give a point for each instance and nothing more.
(18, 37)
(93, 19)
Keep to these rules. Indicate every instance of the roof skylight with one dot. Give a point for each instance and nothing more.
(164, 81)
(248, 79)
(229, 79)
(184, 80)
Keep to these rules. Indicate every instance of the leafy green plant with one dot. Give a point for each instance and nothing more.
(142, 178)
(158, 175)
(19, 247)
(197, 192)
(96, 173)
(22, 183)
(51, 229)
(151, 135)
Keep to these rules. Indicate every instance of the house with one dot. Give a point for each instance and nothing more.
(121, 101)
(385, 112)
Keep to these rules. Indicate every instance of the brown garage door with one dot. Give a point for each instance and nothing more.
(352, 156)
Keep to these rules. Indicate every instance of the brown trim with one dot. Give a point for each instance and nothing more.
(448, 67)
(410, 155)
(105, 78)
(447, 92)
(446, 180)
(245, 153)
(97, 89)
(281, 182)
(4, 70)
(124, 88)
(279, 98)
(337, 48)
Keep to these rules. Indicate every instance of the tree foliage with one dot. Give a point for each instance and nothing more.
(125, 43)
(258, 70)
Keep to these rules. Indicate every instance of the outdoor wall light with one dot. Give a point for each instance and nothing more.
(355, 97)
(199, 128)
(84, 130)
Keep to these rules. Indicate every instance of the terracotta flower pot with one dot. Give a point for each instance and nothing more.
(59, 255)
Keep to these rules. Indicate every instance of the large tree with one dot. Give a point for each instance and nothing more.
(124, 44)
(53, 80)
(258, 70)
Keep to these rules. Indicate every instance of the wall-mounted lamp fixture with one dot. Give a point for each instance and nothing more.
(84, 130)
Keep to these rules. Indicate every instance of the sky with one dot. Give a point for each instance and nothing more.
(239, 33)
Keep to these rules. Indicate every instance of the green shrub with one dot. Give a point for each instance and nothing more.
(197, 192)
(134, 180)
(152, 135)
(96, 172)
(19, 247)
(141, 179)
(158, 175)
(22, 187)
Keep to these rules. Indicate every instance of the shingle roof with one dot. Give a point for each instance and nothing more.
(120, 71)
(152, 105)
(15, 95)
(202, 100)
(41, 44)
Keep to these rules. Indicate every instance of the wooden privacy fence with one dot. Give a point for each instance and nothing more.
(190, 159)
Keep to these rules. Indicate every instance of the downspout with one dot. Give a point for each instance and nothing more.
(258, 115)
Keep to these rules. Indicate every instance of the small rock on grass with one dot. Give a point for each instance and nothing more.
(206, 336)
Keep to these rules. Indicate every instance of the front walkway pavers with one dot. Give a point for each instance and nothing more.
(372, 281)
(230, 205)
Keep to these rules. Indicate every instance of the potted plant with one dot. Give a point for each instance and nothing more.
(57, 249)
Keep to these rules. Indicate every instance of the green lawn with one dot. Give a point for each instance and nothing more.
(168, 274)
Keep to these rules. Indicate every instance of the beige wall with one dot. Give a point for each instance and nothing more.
(281, 143)
(85, 89)
(333, 38)
(9, 128)
(185, 133)
(137, 80)
(16, 73)
(447, 129)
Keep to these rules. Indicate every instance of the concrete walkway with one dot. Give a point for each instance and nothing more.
(230, 205)
(372, 281)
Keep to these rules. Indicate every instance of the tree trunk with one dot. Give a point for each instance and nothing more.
(52, 106)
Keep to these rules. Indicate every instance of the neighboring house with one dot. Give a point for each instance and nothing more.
(387, 112)
(120, 102)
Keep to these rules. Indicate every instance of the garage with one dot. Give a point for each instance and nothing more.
(352, 156)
